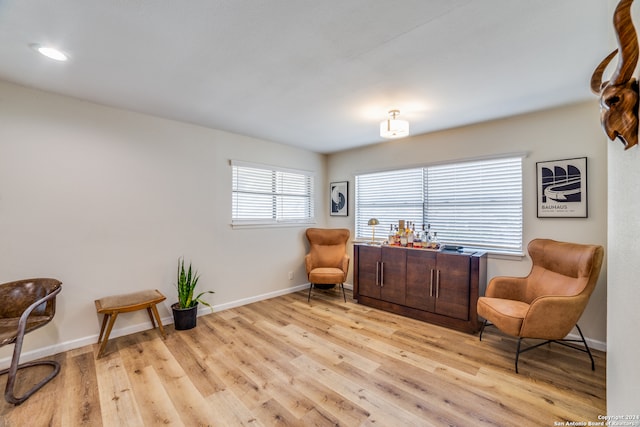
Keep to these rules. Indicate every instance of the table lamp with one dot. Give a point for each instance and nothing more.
(373, 222)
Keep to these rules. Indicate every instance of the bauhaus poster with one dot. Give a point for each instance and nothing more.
(562, 188)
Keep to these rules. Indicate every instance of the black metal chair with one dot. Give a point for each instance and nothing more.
(26, 305)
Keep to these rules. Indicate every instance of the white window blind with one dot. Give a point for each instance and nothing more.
(388, 196)
(475, 204)
(264, 195)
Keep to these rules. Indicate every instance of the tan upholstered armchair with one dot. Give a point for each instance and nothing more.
(26, 305)
(327, 262)
(548, 303)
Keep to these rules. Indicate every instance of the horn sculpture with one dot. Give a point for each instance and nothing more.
(619, 96)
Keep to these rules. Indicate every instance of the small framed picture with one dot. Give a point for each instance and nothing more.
(339, 192)
(562, 188)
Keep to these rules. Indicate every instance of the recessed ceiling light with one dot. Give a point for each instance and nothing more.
(49, 52)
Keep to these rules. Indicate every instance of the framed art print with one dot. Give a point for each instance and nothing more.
(562, 188)
(339, 198)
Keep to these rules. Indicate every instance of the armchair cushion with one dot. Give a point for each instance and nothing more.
(507, 315)
(326, 275)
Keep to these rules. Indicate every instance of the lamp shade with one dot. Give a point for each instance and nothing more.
(373, 221)
(393, 127)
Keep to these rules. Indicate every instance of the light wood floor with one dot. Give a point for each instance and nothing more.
(285, 362)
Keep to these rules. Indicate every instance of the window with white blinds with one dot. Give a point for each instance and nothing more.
(475, 204)
(268, 195)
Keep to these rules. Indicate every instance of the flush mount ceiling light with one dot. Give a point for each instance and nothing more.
(49, 52)
(394, 128)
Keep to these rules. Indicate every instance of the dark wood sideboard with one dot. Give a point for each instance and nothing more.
(439, 287)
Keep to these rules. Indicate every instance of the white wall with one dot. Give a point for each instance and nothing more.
(106, 201)
(562, 133)
(623, 374)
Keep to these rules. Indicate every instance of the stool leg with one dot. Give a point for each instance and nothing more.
(104, 324)
(153, 322)
(112, 320)
(155, 313)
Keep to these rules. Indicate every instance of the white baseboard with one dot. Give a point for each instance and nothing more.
(92, 339)
(594, 344)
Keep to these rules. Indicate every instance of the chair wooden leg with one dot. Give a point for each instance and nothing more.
(343, 294)
(309, 296)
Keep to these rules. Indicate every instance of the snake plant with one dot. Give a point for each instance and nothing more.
(187, 281)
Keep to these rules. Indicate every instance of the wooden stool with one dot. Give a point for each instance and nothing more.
(114, 305)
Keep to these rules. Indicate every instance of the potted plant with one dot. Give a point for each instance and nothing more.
(185, 311)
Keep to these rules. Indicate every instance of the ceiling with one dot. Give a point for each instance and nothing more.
(315, 74)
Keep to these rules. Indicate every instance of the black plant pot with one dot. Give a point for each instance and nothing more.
(184, 318)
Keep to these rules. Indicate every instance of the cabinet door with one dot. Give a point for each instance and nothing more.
(368, 271)
(452, 292)
(421, 271)
(393, 275)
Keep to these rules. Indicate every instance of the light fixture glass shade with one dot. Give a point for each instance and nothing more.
(394, 128)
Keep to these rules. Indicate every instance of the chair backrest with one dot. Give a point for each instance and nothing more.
(16, 297)
(560, 268)
(327, 246)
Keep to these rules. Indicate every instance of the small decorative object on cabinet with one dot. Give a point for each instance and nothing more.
(440, 287)
(185, 311)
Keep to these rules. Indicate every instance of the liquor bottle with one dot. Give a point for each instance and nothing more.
(403, 235)
(417, 239)
(434, 242)
(392, 235)
(411, 233)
